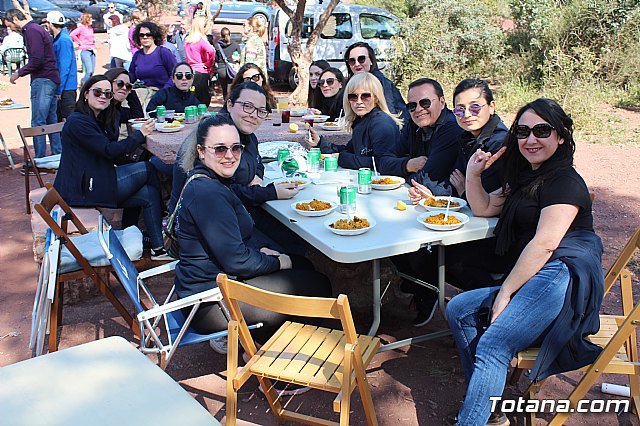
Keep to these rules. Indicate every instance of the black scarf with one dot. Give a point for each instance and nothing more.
(470, 143)
(527, 186)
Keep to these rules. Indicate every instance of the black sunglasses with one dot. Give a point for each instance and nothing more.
(329, 82)
(424, 103)
(219, 151)
(254, 77)
(108, 94)
(122, 83)
(353, 97)
(183, 76)
(542, 130)
(361, 59)
(145, 35)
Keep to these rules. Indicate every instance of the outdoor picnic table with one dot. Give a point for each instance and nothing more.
(105, 382)
(166, 145)
(396, 232)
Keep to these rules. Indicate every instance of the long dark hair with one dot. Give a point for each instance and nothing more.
(550, 111)
(314, 97)
(370, 52)
(239, 79)
(106, 117)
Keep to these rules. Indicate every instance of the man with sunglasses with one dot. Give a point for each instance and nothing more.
(66, 61)
(45, 77)
(360, 57)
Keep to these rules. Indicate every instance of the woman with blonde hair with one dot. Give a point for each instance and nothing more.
(254, 50)
(83, 36)
(201, 56)
(376, 131)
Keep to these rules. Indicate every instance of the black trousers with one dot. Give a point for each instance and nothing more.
(201, 83)
(66, 104)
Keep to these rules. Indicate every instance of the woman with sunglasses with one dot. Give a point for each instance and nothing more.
(152, 64)
(177, 96)
(217, 235)
(330, 86)
(314, 96)
(376, 131)
(87, 176)
(84, 37)
(252, 72)
(122, 89)
(201, 56)
(359, 58)
(551, 293)
(253, 50)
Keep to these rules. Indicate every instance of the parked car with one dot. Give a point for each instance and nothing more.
(236, 11)
(40, 8)
(97, 10)
(349, 23)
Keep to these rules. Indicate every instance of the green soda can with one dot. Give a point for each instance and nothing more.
(202, 110)
(347, 199)
(313, 159)
(161, 111)
(330, 163)
(283, 154)
(364, 181)
(189, 115)
(289, 166)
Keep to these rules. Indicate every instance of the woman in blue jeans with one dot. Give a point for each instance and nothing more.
(87, 176)
(551, 293)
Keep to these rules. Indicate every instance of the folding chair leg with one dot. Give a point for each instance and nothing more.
(530, 418)
(27, 183)
(345, 402)
(6, 150)
(54, 318)
(232, 368)
(515, 376)
(365, 390)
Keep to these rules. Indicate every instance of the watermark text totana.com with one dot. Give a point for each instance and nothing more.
(522, 405)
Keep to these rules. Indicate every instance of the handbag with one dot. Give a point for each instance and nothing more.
(231, 70)
(169, 237)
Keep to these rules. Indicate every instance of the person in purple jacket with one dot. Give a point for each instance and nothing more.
(45, 77)
(152, 64)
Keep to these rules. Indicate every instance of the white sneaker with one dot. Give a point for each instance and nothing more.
(219, 345)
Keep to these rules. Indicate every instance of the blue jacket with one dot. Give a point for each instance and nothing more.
(87, 176)
(440, 144)
(395, 101)
(564, 347)
(66, 61)
(374, 135)
(215, 233)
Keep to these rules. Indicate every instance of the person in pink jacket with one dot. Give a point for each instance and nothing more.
(83, 36)
(201, 57)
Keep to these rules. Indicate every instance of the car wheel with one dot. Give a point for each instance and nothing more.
(262, 18)
(293, 78)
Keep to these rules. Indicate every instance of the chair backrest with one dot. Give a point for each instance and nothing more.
(29, 132)
(315, 307)
(623, 259)
(120, 262)
(15, 55)
(45, 207)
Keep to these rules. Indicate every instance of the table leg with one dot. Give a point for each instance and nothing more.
(441, 277)
(6, 150)
(376, 298)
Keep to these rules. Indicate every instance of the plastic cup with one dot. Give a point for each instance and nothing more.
(286, 116)
(276, 118)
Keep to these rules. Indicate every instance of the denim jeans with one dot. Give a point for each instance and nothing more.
(524, 322)
(88, 59)
(137, 186)
(44, 110)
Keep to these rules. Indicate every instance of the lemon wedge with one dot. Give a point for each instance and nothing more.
(293, 127)
(401, 205)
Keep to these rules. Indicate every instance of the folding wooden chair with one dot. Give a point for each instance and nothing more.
(178, 330)
(47, 164)
(617, 336)
(321, 358)
(45, 209)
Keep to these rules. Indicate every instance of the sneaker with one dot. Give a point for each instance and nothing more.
(219, 345)
(498, 419)
(287, 389)
(160, 254)
(426, 305)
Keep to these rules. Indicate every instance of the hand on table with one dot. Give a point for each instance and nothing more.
(286, 191)
(314, 111)
(417, 192)
(416, 164)
(148, 127)
(314, 137)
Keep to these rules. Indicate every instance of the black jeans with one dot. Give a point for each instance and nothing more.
(201, 83)
(66, 104)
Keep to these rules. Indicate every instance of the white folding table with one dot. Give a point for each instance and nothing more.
(396, 232)
(107, 382)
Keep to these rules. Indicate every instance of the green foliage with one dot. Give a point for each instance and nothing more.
(400, 8)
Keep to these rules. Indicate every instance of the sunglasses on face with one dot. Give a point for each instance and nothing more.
(255, 78)
(183, 76)
(353, 97)
(145, 35)
(108, 94)
(329, 82)
(474, 109)
(248, 108)
(542, 130)
(220, 151)
(424, 103)
(122, 83)
(361, 59)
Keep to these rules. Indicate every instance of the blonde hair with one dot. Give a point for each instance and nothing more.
(257, 25)
(197, 30)
(85, 19)
(369, 83)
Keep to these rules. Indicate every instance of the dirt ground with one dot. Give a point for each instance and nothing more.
(416, 385)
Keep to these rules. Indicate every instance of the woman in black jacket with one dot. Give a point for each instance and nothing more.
(180, 94)
(87, 176)
(330, 86)
(216, 234)
(227, 52)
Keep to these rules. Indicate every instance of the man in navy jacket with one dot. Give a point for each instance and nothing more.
(66, 61)
(430, 144)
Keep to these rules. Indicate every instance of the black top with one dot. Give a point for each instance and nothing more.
(332, 106)
(172, 98)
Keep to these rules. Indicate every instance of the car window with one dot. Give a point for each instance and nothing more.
(338, 26)
(377, 26)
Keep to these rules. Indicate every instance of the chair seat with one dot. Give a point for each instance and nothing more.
(175, 322)
(89, 247)
(308, 355)
(51, 162)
